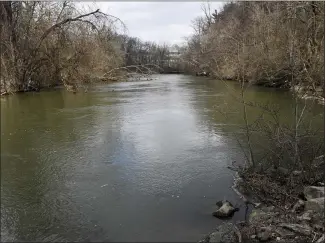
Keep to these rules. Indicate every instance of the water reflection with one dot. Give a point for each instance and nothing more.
(141, 161)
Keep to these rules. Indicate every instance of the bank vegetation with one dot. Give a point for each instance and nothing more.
(280, 45)
(44, 44)
(276, 44)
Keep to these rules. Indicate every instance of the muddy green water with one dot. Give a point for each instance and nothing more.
(133, 161)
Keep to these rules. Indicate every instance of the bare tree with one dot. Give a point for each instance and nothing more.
(48, 43)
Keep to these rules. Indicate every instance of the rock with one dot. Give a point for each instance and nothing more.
(253, 236)
(321, 239)
(312, 192)
(306, 216)
(219, 204)
(225, 233)
(264, 234)
(298, 228)
(225, 209)
(315, 204)
(278, 238)
(298, 207)
(202, 74)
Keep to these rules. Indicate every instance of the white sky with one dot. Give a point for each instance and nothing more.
(162, 22)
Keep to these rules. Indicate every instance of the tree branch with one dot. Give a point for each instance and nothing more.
(57, 25)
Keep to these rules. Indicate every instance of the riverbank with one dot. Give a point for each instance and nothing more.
(282, 214)
(303, 92)
(84, 87)
(308, 94)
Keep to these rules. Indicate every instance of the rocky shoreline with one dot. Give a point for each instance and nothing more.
(302, 222)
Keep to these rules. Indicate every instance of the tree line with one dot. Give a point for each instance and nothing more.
(44, 44)
(277, 44)
(274, 44)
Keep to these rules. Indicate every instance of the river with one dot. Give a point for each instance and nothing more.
(129, 161)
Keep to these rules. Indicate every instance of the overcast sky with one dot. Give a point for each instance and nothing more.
(162, 22)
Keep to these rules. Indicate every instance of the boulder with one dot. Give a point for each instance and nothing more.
(298, 228)
(225, 233)
(225, 209)
(306, 216)
(312, 192)
(315, 204)
(219, 204)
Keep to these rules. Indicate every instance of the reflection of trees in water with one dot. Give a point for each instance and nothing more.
(221, 106)
(44, 136)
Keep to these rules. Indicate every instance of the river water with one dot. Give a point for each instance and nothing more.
(130, 161)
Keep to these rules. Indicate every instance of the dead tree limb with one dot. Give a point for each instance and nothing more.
(57, 25)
